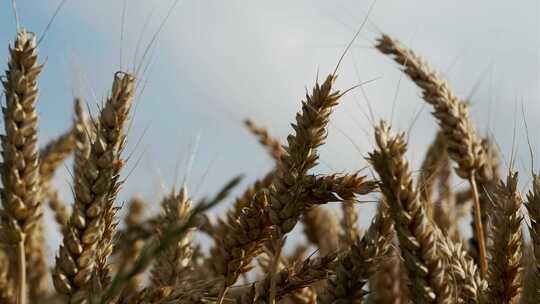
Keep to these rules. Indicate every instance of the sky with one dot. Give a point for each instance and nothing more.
(215, 63)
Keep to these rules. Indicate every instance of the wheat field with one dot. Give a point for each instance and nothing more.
(413, 251)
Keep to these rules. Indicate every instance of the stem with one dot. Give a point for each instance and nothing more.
(21, 286)
(222, 295)
(277, 246)
(479, 227)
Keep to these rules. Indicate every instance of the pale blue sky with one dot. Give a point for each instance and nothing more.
(217, 62)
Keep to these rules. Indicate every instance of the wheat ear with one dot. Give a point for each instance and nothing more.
(292, 278)
(112, 121)
(20, 167)
(533, 207)
(301, 155)
(59, 208)
(130, 253)
(360, 262)
(270, 143)
(325, 237)
(388, 285)
(416, 234)
(172, 266)
(53, 155)
(504, 282)
(96, 168)
(247, 234)
(463, 273)
(453, 117)
(6, 282)
(348, 224)
(429, 170)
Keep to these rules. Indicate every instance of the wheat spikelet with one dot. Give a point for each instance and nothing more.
(173, 265)
(20, 167)
(463, 273)
(335, 188)
(7, 289)
(529, 294)
(361, 261)
(325, 237)
(301, 155)
(270, 143)
(487, 182)
(95, 185)
(533, 207)
(294, 278)
(129, 255)
(53, 155)
(452, 114)
(36, 263)
(59, 208)
(445, 213)
(416, 235)
(243, 201)
(387, 285)
(111, 126)
(430, 168)
(504, 282)
(349, 219)
(247, 234)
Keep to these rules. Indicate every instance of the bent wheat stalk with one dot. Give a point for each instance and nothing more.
(452, 114)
